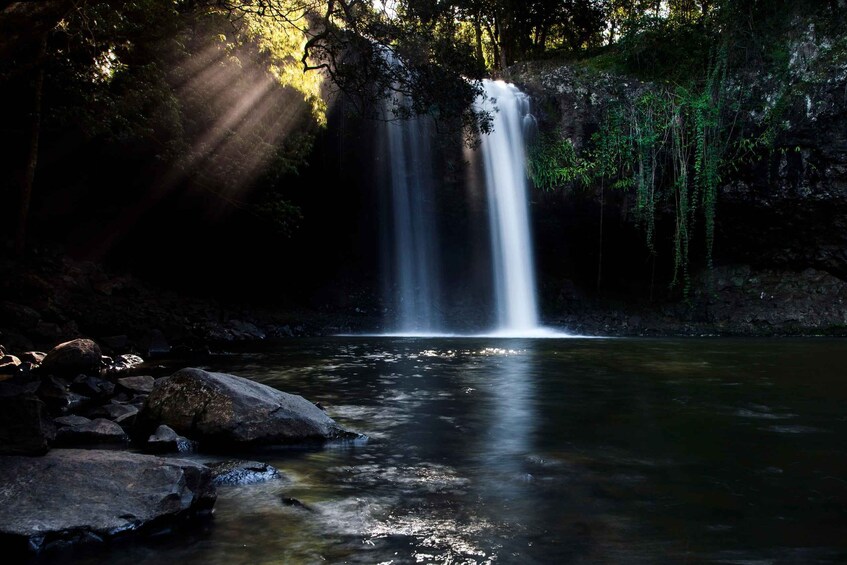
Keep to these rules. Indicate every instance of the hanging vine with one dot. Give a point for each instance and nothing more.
(667, 146)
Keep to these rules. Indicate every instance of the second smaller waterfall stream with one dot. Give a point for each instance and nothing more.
(414, 245)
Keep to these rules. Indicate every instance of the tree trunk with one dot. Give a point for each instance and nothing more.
(502, 42)
(504, 60)
(32, 158)
(495, 43)
(505, 43)
(541, 42)
(477, 27)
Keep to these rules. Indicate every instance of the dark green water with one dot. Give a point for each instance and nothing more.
(547, 451)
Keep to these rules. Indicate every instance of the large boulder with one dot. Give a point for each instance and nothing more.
(73, 357)
(76, 496)
(219, 410)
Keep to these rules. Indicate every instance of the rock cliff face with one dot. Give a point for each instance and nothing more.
(794, 202)
(781, 218)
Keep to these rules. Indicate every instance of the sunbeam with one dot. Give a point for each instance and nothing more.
(239, 112)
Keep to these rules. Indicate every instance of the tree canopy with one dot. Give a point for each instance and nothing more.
(225, 94)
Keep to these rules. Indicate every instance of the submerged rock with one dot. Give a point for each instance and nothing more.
(72, 496)
(219, 410)
(294, 503)
(242, 472)
(72, 358)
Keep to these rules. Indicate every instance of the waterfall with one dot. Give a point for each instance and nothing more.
(413, 287)
(504, 157)
(413, 282)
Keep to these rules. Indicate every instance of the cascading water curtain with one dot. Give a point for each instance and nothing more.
(504, 157)
(412, 267)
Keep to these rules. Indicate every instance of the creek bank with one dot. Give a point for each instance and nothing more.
(52, 298)
(71, 445)
(728, 301)
(775, 301)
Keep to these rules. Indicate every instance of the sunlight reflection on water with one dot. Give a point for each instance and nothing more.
(547, 451)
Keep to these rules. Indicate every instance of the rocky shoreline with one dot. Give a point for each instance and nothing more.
(93, 451)
(49, 299)
(52, 300)
(731, 301)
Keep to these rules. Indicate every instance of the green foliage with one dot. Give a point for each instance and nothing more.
(214, 100)
(667, 147)
(663, 50)
(553, 163)
(698, 119)
(279, 213)
(414, 53)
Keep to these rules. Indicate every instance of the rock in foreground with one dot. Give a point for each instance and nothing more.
(74, 496)
(73, 357)
(220, 410)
